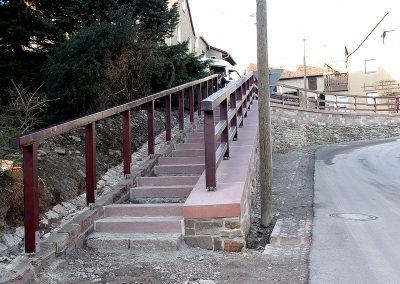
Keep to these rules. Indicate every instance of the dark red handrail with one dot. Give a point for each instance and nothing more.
(29, 143)
(231, 104)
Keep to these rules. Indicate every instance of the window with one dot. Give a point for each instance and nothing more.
(371, 66)
(178, 33)
(184, 6)
(370, 97)
(312, 83)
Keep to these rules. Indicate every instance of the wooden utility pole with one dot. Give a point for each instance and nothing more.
(264, 122)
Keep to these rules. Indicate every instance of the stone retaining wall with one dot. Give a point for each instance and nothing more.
(227, 233)
(294, 128)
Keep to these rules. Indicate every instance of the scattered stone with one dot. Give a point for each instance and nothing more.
(82, 173)
(3, 248)
(101, 183)
(75, 138)
(51, 215)
(44, 221)
(5, 259)
(60, 151)
(42, 153)
(201, 258)
(10, 240)
(78, 152)
(60, 210)
(20, 232)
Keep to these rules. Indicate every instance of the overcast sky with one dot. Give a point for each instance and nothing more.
(327, 26)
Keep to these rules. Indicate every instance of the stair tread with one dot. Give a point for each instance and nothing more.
(145, 205)
(138, 236)
(161, 186)
(121, 219)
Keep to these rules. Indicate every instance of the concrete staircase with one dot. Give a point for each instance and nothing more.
(154, 217)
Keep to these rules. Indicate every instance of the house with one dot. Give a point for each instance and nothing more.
(185, 32)
(209, 51)
(373, 64)
(185, 29)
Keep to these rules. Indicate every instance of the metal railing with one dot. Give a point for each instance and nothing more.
(336, 101)
(29, 144)
(336, 82)
(224, 112)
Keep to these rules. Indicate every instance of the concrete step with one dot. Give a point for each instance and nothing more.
(190, 146)
(180, 160)
(135, 242)
(175, 191)
(142, 210)
(196, 134)
(169, 224)
(194, 140)
(166, 180)
(180, 170)
(188, 153)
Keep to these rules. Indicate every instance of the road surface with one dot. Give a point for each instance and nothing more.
(356, 227)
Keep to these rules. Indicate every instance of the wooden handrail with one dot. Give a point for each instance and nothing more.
(233, 102)
(29, 144)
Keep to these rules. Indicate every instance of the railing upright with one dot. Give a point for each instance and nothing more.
(90, 150)
(126, 138)
(199, 99)
(181, 109)
(31, 199)
(209, 140)
(168, 118)
(150, 128)
(191, 105)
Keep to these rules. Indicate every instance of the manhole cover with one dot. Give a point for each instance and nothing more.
(354, 216)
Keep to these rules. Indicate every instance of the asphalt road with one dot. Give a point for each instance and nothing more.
(361, 179)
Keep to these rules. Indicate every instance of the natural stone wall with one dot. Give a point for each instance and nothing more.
(294, 128)
(229, 233)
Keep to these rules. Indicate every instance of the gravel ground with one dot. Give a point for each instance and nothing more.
(292, 198)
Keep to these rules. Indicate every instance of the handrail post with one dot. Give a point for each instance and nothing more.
(336, 103)
(150, 128)
(90, 152)
(239, 96)
(244, 101)
(355, 104)
(397, 105)
(191, 104)
(232, 105)
(316, 101)
(298, 95)
(168, 118)
(215, 83)
(199, 99)
(181, 109)
(31, 199)
(210, 159)
(126, 138)
(374, 105)
(207, 87)
(223, 107)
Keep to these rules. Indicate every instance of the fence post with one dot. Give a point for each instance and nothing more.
(90, 152)
(191, 104)
(199, 99)
(223, 107)
(397, 105)
(150, 128)
(167, 118)
(298, 95)
(209, 140)
(355, 104)
(181, 109)
(239, 98)
(374, 105)
(232, 106)
(244, 101)
(31, 199)
(207, 87)
(126, 137)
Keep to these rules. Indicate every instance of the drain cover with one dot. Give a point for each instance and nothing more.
(354, 216)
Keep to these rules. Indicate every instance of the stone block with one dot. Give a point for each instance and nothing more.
(235, 245)
(73, 230)
(60, 240)
(231, 234)
(45, 256)
(205, 242)
(208, 227)
(85, 219)
(232, 223)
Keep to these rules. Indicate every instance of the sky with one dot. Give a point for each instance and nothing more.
(327, 27)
